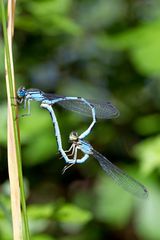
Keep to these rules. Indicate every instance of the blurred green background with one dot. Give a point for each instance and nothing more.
(98, 50)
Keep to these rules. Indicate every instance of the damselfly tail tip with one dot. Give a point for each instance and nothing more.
(146, 193)
(116, 113)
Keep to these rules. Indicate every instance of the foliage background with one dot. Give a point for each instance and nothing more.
(99, 50)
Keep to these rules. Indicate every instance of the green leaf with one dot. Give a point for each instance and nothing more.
(143, 44)
(37, 211)
(48, 17)
(62, 212)
(38, 135)
(49, 7)
(40, 149)
(70, 213)
(30, 126)
(148, 152)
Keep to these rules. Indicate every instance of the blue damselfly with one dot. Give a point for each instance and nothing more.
(95, 109)
(120, 177)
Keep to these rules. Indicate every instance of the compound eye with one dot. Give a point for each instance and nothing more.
(21, 92)
(73, 136)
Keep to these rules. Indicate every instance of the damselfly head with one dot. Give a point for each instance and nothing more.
(21, 92)
(73, 136)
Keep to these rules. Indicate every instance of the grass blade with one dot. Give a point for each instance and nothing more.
(14, 154)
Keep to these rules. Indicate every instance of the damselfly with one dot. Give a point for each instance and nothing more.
(57, 131)
(99, 109)
(120, 177)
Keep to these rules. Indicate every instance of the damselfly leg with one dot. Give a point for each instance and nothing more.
(67, 167)
(27, 104)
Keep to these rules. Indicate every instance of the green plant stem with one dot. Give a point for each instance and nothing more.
(18, 151)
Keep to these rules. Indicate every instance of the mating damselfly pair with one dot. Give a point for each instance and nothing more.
(95, 109)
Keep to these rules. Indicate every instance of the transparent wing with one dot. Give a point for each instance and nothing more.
(120, 177)
(104, 110)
